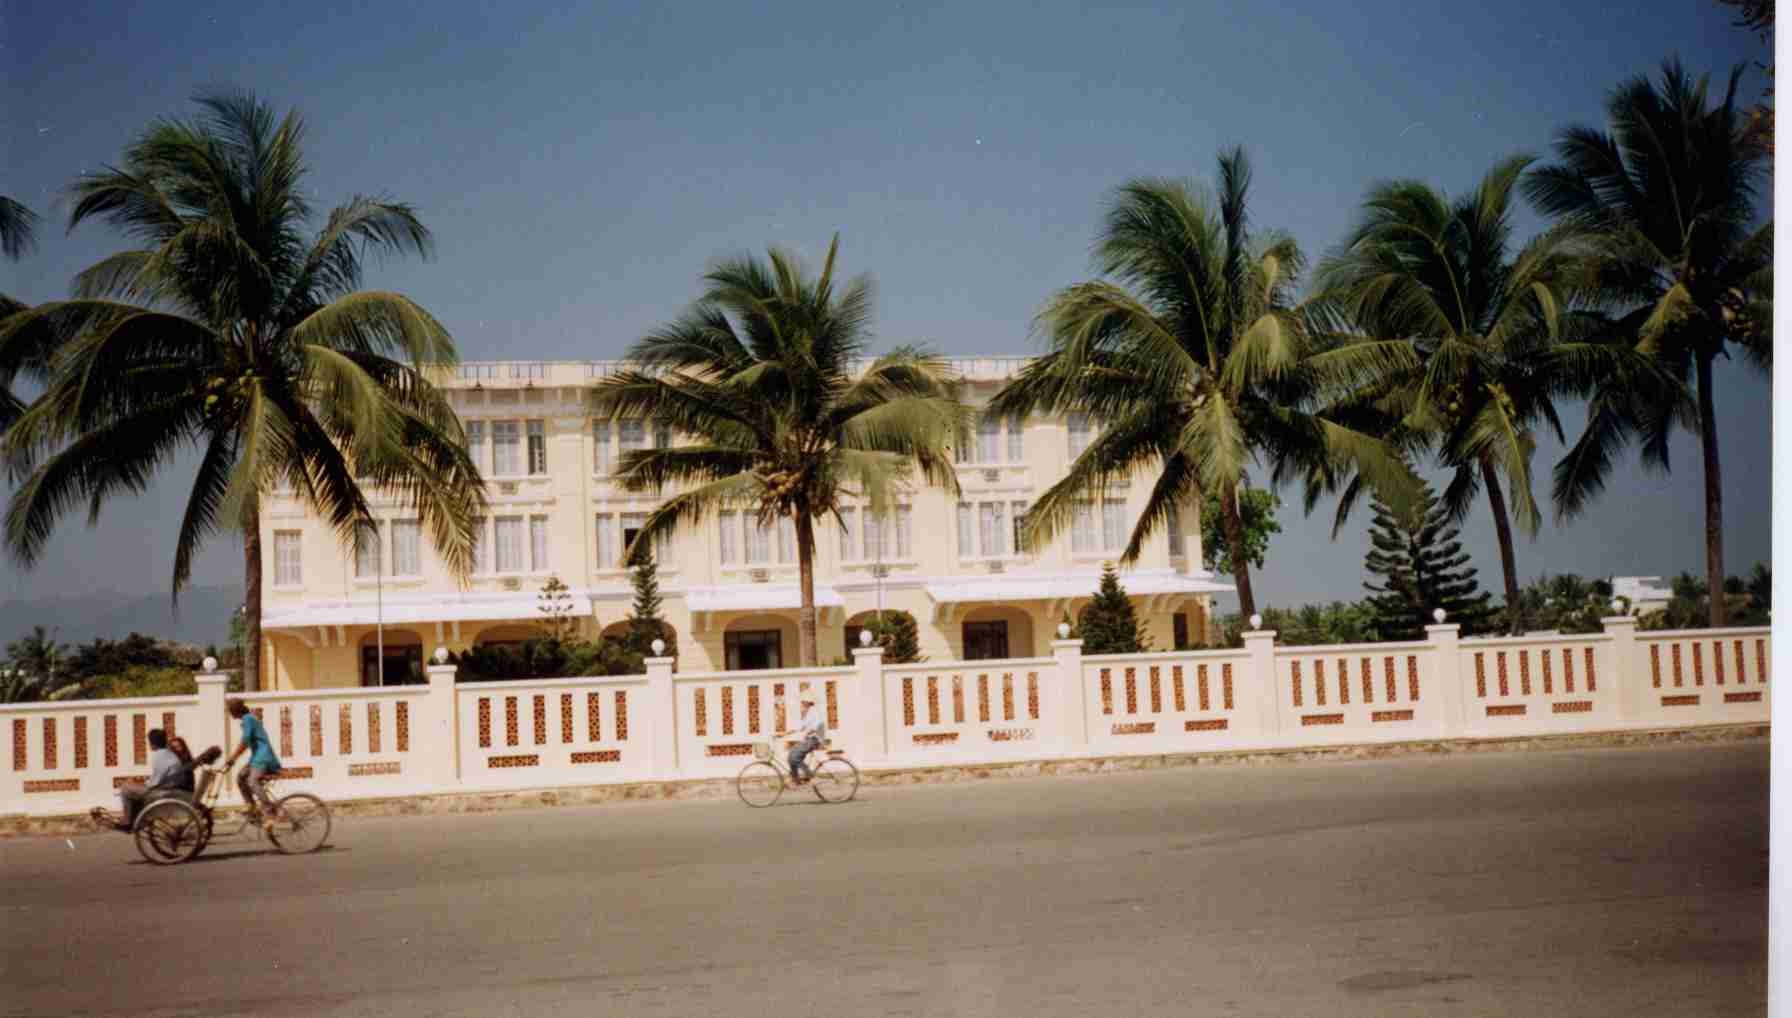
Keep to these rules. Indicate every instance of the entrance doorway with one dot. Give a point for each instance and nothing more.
(985, 641)
(752, 650)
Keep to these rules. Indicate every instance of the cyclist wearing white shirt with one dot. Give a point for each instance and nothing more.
(814, 729)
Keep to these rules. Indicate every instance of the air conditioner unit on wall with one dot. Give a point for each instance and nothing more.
(997, 567)
(513, 584)
(992, 476)
(759, 575)
(506, 487)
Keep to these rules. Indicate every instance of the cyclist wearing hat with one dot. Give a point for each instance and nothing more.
(814, 730)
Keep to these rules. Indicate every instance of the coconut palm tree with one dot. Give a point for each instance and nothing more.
(762, 377)
(28, 672)
(1467, 329)
(229, 330)
(1680, 258)
(18, 233)
(1187, 357)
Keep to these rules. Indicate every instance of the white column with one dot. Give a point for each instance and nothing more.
(1070, 700)
(214, 726)
(1625, 669)
(869, 733)
(1446, 656)
(1260, 645)
(441, 740)
(662, 718)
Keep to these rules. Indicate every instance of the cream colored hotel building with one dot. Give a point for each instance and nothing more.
(730, 588)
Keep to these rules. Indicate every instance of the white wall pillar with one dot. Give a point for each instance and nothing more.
(442, 740)
(214, 726)
(662, 718)
(1070, 700)
(1446, 657)
(869, 732)
(1260, 673)
(1624, 668)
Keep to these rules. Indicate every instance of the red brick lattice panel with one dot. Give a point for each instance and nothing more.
(1655, 664)
(1691, 700)
(1157, 690)
(1717, 660)
(1107, 692)
(702, 707)
(730, 749)
(1135, 728)
(373, 727)
(1387, 669)
(139, 739)
(1132, 691)
(1524, 673)
(1033, 696)
(621, 716)
(594, 729)
(753, 709)
(80, 742)
(1751, 697)
(1481, 676)
(53, 785)
(485, 722)
(345, 726)
(1412, 677)
(1344, 681)
(1308, 720)
(1007, 697)
(1390, 715)
(1572, 707)
(1679, 679)
(565, 719)
(1592, 677)
(1698, 664)
(1761, 660)
(727, 710)
(1741, 666)
(1548, 679)
(1366, 668)
(18, 744)
(1568, 669)
(49, 744)
(833, 705)
(291, 774)
(516, 760)
(1500, 663)
(541, 719)
(598, 756)
(510, 728)
(778, 705)
(1201, 686)
(403, 712)
(1205, 725)
(286, 731)
(1319, 683)
(168, 724)
(1294, 666)
(110, 729)
(935, 738)
(908, 706)
(1010, 734)
(957, 700)
(983, 698)
(1226, 684)
(933, 700)
(125, 779)
(371, 770)
(317, 730)
(1511, 710)
(1176, 691)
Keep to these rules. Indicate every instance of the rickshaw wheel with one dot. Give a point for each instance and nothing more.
(169, 832)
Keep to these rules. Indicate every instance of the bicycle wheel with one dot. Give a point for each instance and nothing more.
(760, 784)
(303, 824)
(835, 780)
(168, 832)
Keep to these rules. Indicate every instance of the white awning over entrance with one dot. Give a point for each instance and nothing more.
(752, 597)
(1161, 586)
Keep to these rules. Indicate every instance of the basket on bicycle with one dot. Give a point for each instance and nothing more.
(762, 751)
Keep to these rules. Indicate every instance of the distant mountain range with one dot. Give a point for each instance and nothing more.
(204, 616)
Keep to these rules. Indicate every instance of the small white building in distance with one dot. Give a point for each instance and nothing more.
(1642, 593)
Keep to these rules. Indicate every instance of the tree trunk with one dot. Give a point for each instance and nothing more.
(1241, 563)
(252, 597)
(805, 564)
(1502, 526)
(1714, 495)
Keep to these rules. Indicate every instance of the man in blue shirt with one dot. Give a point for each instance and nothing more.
(252, 780)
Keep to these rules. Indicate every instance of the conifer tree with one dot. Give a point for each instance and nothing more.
(1420, 559)
(644, 622)
(1109, 625)
(897, 634)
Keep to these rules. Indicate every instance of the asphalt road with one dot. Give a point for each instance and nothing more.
(1608, 882)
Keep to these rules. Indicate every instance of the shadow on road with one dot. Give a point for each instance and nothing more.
(241, 853)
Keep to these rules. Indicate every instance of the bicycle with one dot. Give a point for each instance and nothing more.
(761, 783)
(176, 828)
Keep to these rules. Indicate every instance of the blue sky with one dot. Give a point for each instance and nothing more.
(581, 164)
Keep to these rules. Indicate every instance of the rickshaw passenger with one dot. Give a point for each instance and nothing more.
(168, 775)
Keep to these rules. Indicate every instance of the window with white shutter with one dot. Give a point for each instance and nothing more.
(728, 523)
(407, 558)
(367, 551)
(966, 546)
(507, 450)
(538, 448)
(600, 447)
(538, 544)
(848, 522)
(606, 541)
(1082, 529)
(510, 544)
(1113, 525)
(1079, 434)
(287, 559)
